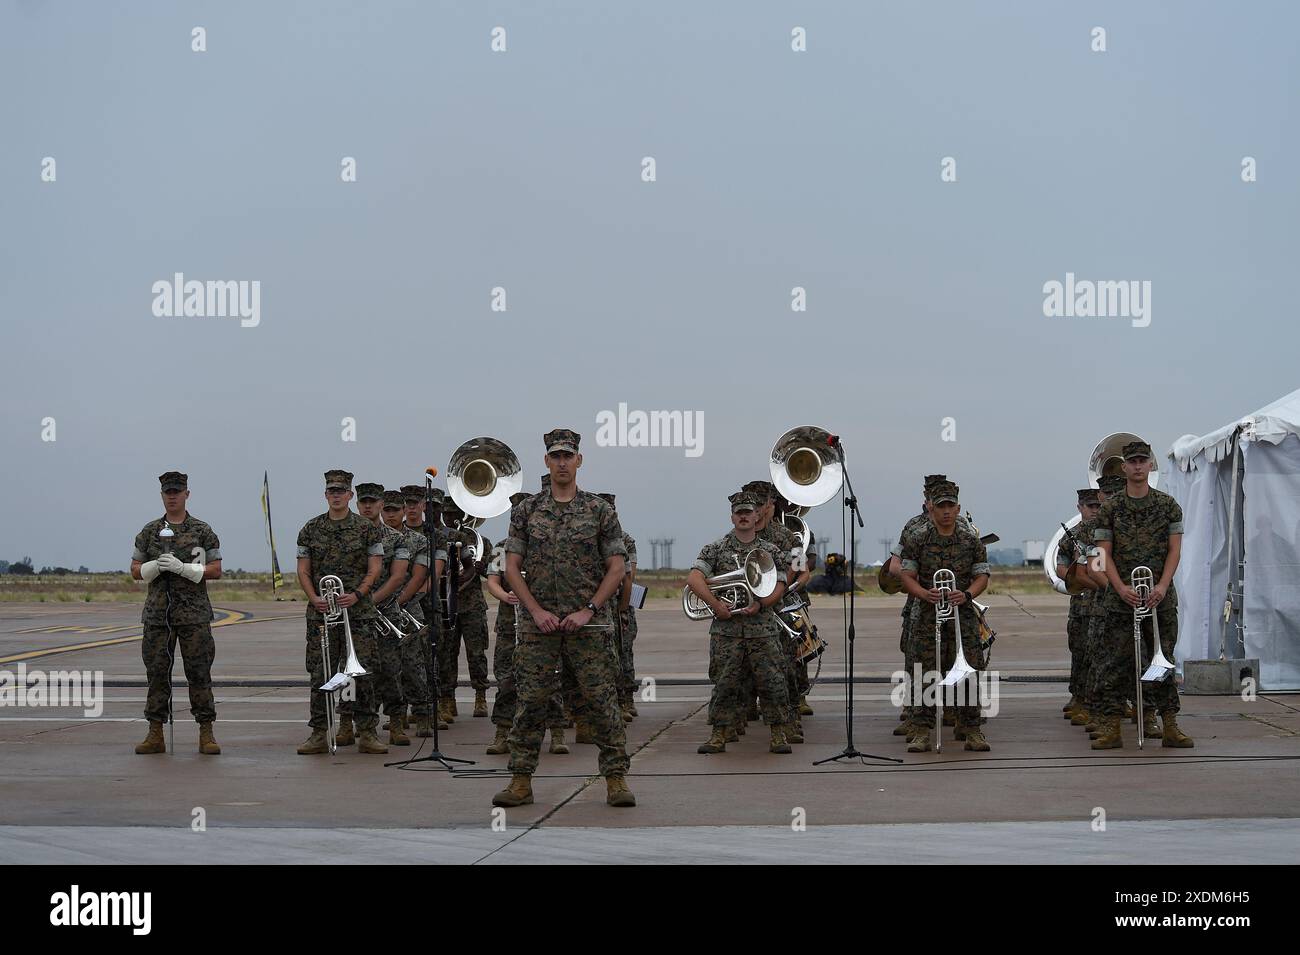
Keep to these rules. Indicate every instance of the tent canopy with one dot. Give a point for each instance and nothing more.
(1271, 423)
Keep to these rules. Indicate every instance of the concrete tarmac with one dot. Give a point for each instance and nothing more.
(71, 788)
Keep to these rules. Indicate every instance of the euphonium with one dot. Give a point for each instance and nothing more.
(754, 579)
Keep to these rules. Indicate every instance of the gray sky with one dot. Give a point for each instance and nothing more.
(522, 169)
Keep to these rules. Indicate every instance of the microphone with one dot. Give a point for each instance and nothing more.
(833, 440)
(431, 471)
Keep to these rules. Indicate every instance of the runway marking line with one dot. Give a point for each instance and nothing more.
(232, 618)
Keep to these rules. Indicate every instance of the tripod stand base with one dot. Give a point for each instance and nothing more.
(434, 757)
(851, 753)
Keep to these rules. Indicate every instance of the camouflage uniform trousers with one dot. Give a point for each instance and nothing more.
(905, 646)
(503, 668)
(627, 666)
(197, 652)
(923, 653)
(1075, 634)
(363, 641)
(413, 655)
(388, 681)
(593, 660)
(1094, 629)
(472, 631)
(1113, 673)
(737, 665)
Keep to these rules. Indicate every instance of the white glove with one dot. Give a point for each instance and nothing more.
(170, 563)
(149, 570)
(192, 572)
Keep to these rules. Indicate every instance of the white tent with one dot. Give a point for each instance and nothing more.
(1239, 488)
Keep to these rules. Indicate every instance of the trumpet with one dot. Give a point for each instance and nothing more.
(331, 589)
(1142, 580)
(756, 577)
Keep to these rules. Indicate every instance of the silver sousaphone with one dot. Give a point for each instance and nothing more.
(481, 476)
(806, 468)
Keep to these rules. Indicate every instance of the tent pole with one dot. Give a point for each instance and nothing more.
(1232, 536)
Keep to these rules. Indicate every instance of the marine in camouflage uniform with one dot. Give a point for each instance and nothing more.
(625, 633)
(427, 559)
(1088, 501)
(177, 612)
(397, 557)
(927, 550)
(784, 540)
(1138, 531)
(905, 645)
(745, 651)
(471, 620)
(1095, 630)
(503, 661)
(344, 544)
(571, 554)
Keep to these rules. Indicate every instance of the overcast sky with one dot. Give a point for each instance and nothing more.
(523, 170)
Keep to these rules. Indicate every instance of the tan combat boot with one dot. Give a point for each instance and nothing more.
(208, 744)
(1080, 717)
(949, 716)
(919, 741)
(397, 732)
(316, 744)
(1074, 701)
(804, 708)
(582, 731)
(904, 728)
(423, 727)
(716, 743)
(631, 704)
(153, 741)
(1109, 734)
(445, 714)
(1150, 725)
(617, 793)
(779, 743)
(731, 735)
(558, 746)
(480, 703)
(1130, 712)
(625, 707)
(975, 741)
(368, 742)
(518, 793)
(500, 745)
(1172, 735)
(346, 736)
(794, 732)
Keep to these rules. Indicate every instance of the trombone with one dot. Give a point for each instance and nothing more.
(1142, 581)
(756, 577)
(331, 589)
(945, 581)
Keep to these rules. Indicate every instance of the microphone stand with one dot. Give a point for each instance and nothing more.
(851, 502)
(431, 614)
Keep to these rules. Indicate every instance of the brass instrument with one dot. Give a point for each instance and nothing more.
(331, 589)
(754, 579)
(481, 476)
(945, 581)
(1143, 580)
(805, 467)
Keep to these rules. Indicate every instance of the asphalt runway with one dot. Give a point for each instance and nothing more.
(72, 789)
